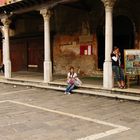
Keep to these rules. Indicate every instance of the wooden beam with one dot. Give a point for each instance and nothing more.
(25, 6)
(48, 4)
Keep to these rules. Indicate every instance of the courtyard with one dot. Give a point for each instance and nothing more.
(39, 114)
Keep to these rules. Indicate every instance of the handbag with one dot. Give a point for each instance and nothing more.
(71, 81)
(77, 82)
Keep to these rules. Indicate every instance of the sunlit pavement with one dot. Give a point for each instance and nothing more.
(40, 114)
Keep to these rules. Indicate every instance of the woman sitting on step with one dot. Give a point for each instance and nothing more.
(72, 80)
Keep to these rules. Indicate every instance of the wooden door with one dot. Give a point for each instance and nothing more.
(18, 51)
(35, 55)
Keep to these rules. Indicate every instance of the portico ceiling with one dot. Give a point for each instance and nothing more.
(22, 6)
(29, 5)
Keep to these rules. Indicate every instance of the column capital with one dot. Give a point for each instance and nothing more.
(6, 21)
(46, 13)
(109, 3)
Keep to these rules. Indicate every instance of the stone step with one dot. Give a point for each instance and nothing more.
(86, 89)
(127, 91)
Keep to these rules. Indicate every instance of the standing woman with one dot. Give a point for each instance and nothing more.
(116, 66)
(71, 78)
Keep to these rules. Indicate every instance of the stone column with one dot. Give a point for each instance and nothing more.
(6, 48)
(47, 49)
(107, 74)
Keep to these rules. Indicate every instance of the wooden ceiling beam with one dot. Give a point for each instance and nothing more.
(25, 6)
(48, 4)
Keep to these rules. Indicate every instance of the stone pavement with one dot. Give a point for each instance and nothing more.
(39, 114)
(90, 86)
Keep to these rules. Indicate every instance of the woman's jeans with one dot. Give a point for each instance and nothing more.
(119, 74)
(70, 87)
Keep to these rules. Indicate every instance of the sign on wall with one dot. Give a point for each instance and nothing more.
(86, 50)
(132, 62)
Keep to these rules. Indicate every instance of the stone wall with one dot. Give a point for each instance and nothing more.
(27, 24)
(66, 53)
(71, 28)
(74, 29)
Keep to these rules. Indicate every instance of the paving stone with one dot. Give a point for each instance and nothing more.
(23, 122)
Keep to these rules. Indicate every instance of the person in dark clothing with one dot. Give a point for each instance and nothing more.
(116, 67)
(2, 68)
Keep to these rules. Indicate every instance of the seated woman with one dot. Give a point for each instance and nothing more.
(72, 81)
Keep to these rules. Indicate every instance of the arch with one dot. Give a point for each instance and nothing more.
(101, 45)
(100, 32)
(123, 33)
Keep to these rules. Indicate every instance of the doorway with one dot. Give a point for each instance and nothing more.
(123, 34)
(1, 48)
(123, 37)
(101, 46)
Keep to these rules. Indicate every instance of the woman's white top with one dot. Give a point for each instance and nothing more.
(72, 75)
(115, 58)
(77, 81)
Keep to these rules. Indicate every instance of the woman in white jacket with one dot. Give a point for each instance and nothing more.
(72, 81)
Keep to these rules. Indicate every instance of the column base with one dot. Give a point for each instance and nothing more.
(47, 71)
(107, 75)
(7, 69)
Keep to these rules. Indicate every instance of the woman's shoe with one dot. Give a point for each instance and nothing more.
(120, 87)
(124, 86)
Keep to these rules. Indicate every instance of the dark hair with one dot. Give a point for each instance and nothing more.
(115, 48)
(71, 72)
(71, 68)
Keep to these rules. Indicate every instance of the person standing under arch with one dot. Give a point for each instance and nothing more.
(116, 67)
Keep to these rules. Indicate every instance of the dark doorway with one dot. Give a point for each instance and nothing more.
(101, 46)
(123, 34)
(1, 49)
(123, 37)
